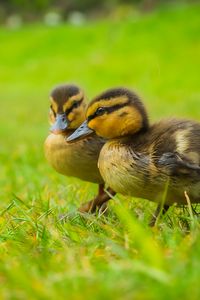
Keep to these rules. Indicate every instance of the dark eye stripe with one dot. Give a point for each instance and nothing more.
(108, 110)
(116, 107)
(75, 104)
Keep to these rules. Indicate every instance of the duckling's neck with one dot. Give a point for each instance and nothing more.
(144, 129)
(135, 136)
(136, 126)
(67, 132)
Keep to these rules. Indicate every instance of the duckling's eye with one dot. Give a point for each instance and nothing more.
(75, 104)
(100, 111)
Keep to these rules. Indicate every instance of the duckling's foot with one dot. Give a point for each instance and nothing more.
(99, 203)
(160, 210)
(90, 207)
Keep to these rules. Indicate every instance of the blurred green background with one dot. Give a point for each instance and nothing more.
(150, 46)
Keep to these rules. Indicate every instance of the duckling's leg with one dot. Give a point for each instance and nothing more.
(99, 201)
(160, 210)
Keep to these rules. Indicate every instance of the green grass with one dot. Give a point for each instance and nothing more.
(93, 257)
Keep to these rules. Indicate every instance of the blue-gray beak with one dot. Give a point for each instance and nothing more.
(60, 125)
(82, 131)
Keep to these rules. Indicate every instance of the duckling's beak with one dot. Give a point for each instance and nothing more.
(60, 125)
(82, 131)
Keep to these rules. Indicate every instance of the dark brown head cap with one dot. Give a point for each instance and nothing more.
(63, 92)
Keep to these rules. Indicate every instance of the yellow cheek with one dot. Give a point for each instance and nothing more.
(105, 127)
(71, 116)
(51, 118)
(54, 105)
(76, 118)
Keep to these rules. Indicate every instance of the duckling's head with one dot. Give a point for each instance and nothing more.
(67, 109)
(115, 113)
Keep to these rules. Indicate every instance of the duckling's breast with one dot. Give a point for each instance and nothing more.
(78, 159)
(124, 170)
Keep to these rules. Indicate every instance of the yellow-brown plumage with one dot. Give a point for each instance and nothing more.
(76, 160)
(144, 160)
(145, 166)
(67, 112)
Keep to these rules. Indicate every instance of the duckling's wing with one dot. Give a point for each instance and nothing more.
(177, 164)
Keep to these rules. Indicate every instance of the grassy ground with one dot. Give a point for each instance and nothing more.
(92, 257)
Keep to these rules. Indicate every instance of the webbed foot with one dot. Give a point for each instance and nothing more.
(99, 203)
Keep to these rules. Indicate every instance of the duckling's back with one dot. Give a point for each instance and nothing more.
(181, 137)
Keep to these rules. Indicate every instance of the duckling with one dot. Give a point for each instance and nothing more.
(67, 112)
(143, 160)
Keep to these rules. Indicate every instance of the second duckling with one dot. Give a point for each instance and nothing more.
(67, 112)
